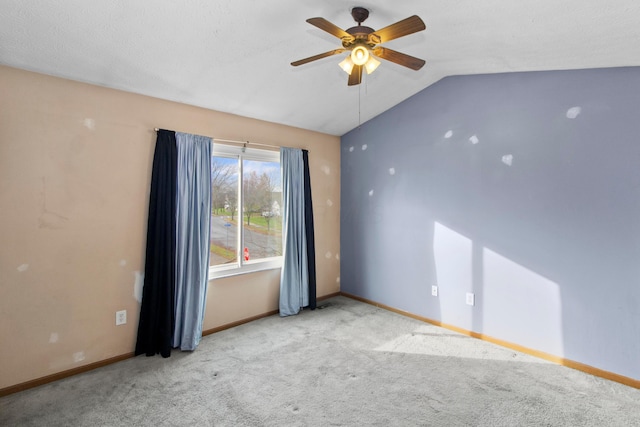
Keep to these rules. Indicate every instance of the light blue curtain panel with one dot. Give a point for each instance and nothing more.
(294, 279)
(193, 219)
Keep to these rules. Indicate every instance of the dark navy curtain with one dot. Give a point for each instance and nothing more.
(308, 229)
(155, 328)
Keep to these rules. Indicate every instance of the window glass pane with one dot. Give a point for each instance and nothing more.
(262, 198)
(224, 210)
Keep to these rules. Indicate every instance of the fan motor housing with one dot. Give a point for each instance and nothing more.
(361, 35)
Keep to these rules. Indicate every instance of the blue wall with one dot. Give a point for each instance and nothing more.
(522, 188)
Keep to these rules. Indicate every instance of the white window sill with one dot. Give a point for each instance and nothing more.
(219, 272)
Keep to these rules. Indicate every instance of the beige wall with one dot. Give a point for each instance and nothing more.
(75, 167)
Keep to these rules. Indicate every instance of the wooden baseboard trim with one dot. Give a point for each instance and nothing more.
(259, 316)
(238, 323)
(64, 374)
(335, 294)
(532, 352)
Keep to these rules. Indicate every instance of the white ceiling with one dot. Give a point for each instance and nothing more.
(234, 56)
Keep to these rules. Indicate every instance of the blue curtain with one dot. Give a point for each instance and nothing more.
(193, 218)
(297, 285)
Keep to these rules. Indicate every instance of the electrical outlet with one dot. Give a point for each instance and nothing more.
(434, 290)
(471, 298)
(121, 317)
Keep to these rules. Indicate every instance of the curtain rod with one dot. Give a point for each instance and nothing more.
(244, 143)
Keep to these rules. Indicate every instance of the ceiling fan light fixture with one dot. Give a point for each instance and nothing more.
(362, 44)
(347, 65)
(371, 65)
(360, 55)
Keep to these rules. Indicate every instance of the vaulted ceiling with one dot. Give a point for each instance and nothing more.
(234, 56)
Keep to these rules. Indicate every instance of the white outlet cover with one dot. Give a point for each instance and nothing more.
(121, 317)
(434, 290)
(471, 299)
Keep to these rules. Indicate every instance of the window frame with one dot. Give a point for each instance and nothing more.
(242, 153)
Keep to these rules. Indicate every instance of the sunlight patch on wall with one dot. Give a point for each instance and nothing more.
(23, 267)
(474, 140)
(392, 171)
(53, 338)
(364, 147)
(453, 259)
(519, 301)
(329, 202)
(452, 252)
(449, 134)
(507, 159)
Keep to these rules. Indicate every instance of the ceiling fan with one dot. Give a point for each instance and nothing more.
(363, 43)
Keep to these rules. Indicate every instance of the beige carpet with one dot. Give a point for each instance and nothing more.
(348, 364)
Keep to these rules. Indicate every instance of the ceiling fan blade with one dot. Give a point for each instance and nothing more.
(411, 25)
(330, 28)
(356, 76)
(399, 58)
(316, 57)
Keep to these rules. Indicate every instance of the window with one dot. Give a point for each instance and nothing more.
(246, 222)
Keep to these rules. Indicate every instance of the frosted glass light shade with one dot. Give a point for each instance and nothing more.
(347, 65)
(371, 65)
(360, 55)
